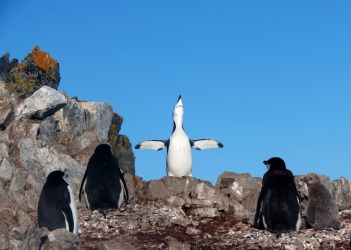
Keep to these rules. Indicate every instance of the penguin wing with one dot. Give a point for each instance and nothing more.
(205, 143)
(152, 144)
(258, 223)
(66, 210)
(124, 189)
(82, 184)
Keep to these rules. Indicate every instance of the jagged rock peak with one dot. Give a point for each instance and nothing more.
(37, 69)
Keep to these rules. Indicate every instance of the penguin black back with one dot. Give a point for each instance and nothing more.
(278, 208)
(103, 184)
(56, 207)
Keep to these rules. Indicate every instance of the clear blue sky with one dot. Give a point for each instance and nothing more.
(266, 78)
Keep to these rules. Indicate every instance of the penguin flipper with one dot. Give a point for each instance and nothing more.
(124, 189)
(205, 143)
(82, 184)
(152, 144)
(66, 210)
(258, 223)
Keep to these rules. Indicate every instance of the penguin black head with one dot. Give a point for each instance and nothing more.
(56, 177)
(275, 163)
(103, 149)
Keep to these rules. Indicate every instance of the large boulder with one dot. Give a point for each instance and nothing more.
(195, 196)
(42, 103)
(242, 191)
(341, 190)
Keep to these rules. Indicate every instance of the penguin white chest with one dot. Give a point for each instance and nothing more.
(179, 159)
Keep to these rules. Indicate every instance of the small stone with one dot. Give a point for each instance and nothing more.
(193, 231)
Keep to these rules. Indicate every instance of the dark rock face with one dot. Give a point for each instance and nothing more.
(121, 147)
(36, 70)
(6, 66)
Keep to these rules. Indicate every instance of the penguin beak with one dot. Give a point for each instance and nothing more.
(179, 103)
(267, 164)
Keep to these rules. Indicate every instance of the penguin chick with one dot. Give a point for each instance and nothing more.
(322, 211)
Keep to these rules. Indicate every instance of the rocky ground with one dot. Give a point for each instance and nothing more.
(158, 226)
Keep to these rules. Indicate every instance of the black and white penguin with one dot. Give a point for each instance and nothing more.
(57, 207)
(179, 157)
(103, 185)
(278, 207)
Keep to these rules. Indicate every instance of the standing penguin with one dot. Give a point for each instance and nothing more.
(56, 207)
(103, 185)
(179, 157)
(278, 206)
(322, 211)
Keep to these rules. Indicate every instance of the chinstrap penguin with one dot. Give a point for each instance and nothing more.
(179, 157)
(322, 211)
(278, 206)
(103, 185)
(57, 207)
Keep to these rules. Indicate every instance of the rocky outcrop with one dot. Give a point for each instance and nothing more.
(42, 130)
(39, 70)
(33, 72)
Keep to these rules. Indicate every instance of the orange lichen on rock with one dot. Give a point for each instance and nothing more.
(44, 60)
(21, 65)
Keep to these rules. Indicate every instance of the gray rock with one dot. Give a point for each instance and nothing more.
(171, 186)
(98, 117)
(199, 197)
(35, 237)
(6, 170)
(175, 201)
(6, 114)
(72, 119)
(174, 244)
(19, 180)
(205, 212)
(136, 187)
(118, 243)
(242, 191)
(61, 239)
(49, 131)
(341, 191)
(17, 187)
(41, 161)
(84, 146)
(4, 145)
(44, 102)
